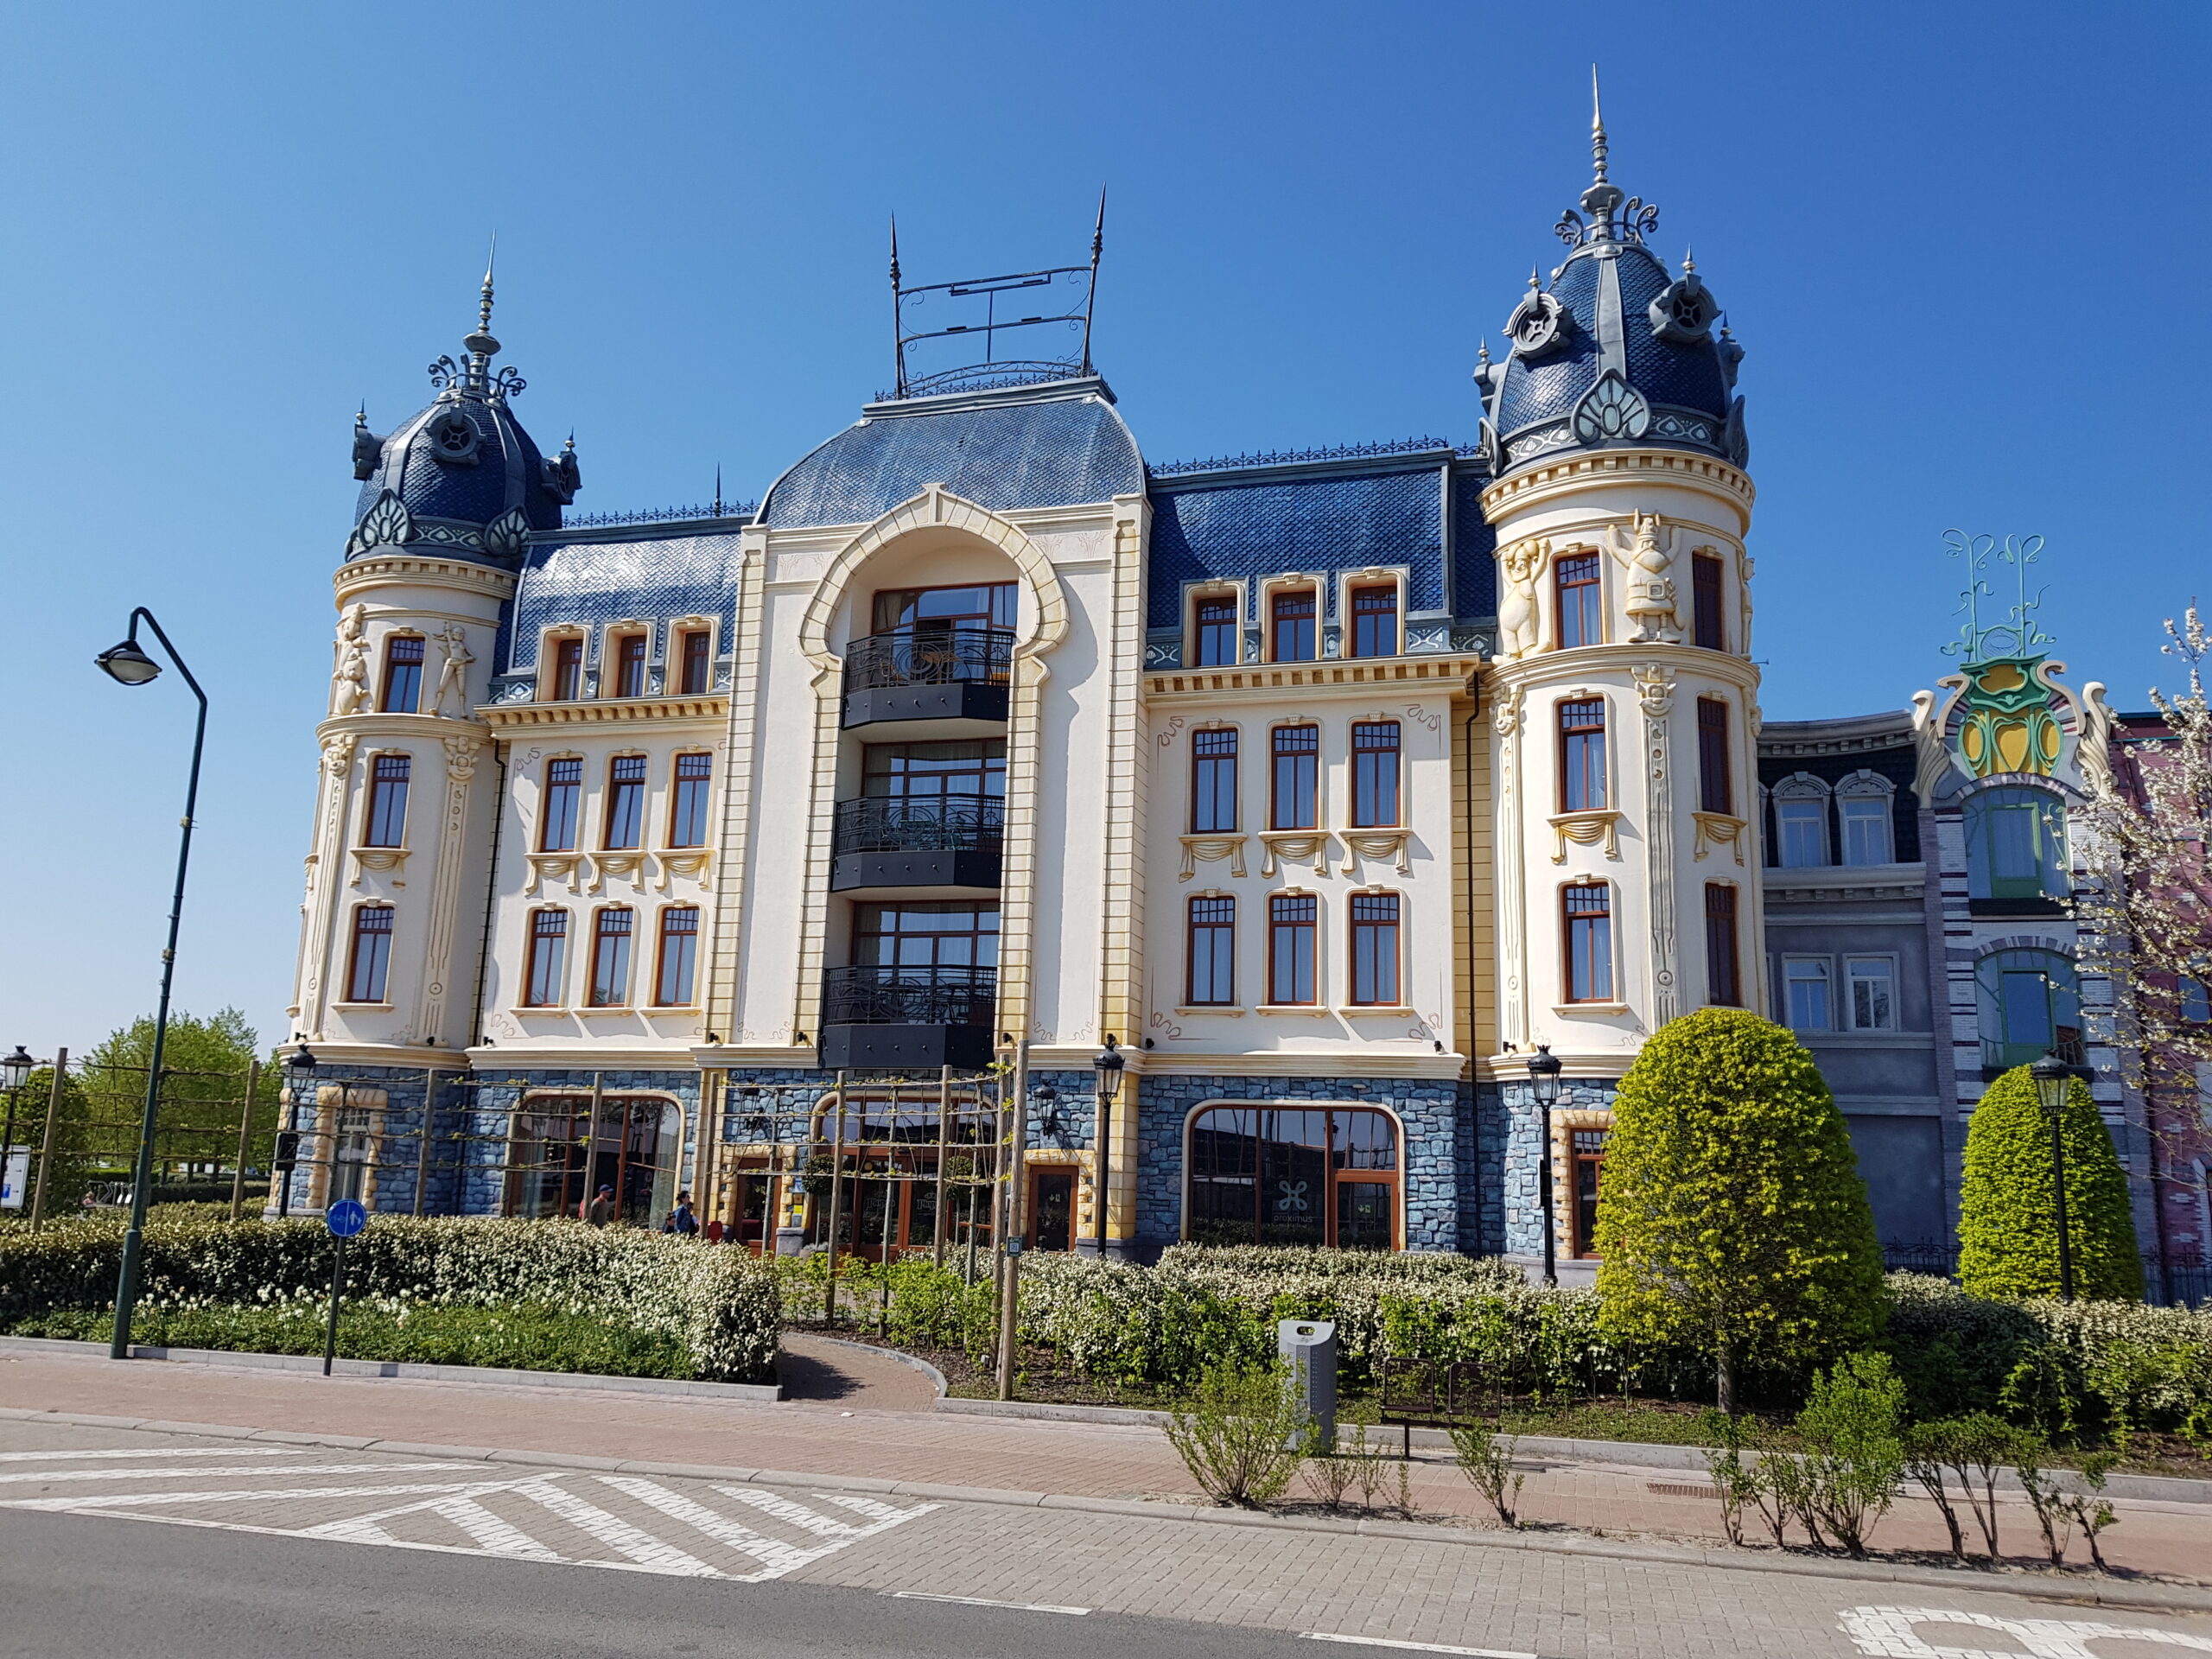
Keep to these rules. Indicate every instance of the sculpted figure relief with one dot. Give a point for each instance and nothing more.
(349, 682)
(1522, 563)
(452, 700)
(1650, 604)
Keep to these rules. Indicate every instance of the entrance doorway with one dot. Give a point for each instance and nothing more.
(1052, 1208)
(1589, 1157)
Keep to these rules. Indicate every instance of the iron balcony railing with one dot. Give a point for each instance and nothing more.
(930, 656)
(957, 823)
(910, 996)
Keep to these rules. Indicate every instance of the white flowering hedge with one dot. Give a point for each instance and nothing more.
(720, 1303)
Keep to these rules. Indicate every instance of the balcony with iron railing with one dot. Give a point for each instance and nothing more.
(898, 842)
(896, 1018)
(909, 674)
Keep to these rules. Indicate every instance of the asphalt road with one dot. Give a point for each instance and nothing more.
(81, 1585)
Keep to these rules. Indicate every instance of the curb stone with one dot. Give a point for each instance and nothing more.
(2179, 1598)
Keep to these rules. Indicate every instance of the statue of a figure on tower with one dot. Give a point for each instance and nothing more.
(349, 682)
(1651, 589)
(452, 700)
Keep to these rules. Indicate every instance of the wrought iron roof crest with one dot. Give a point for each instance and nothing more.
(1075, 288)
(2018, 637)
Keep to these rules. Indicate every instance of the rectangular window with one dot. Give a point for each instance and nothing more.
(402, 674)
(1375, 774)
(365, 982)
(564, 788)
(1293, 625)
(1213, 783)
(1723, 984)
(687, 807)
(1716, 779)
(1586, 911)
(1295, 791)
(625, 802)
(567, 683)
(1212, 981)
(1581, 602)
(1805, 986)
(1866, 829)
(1801, 833)
(929, 938)
(1216, 620)
(1871, 983)
(387, 801)
(1582, 755)
(610, 958)
(698, 672)
(549, 957)
(1705, 603)
(1374, 621)
(679, 954)
(992, 605)
(1292, 918)
(630, 665)
(1375, 949)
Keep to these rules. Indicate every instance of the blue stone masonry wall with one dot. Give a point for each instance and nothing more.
(401, 1143)
(1524, 1155)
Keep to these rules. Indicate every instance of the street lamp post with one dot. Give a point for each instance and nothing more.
(14, 1072)
(299, 1077)
(128, 665)
(1107, 1064)
(2052, 1077)
(1544, 1069)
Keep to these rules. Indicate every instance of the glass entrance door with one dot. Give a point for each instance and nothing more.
(1052, 1208)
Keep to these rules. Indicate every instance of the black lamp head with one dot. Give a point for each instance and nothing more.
(1544, 1069)
(16, 1070)
(126, 664)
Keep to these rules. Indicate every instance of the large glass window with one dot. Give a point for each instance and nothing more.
(679, 956)
(687, 804)
(1806, 993)
(931, 771)
(2031, 1003)
(564, 788)
(402, 674)
(1705, 603)
(560, 1157)
(1212, 980)
(1582, 755)
(1216, 621)
(1294, 795)
(1587, 915)
(1312, 1176)
(1871, 983)
(1293, 919)
(549, 957)
(1724, 983)
(371, 954)
(1293, 625)
(1374, 773)
(610, 957)
(625, 802)
(1715, 773)
(1801, 829)
(1375, 949)
(1580, 600)
(387, 824)
(925, 936)
(1374, 621)
(1213, 782)
(993, 605)
(1865, 828)
(2016, 844)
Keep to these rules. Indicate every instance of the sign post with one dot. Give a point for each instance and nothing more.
(344, 1219)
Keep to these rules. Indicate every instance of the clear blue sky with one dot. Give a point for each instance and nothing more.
(1964, 244)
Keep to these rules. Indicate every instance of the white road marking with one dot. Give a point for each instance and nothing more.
(163, 1451)
(797, 1513)
(985, 1601)
(1888, 1633)
(115, 1500)
(1420, 1647)
(50, 1476)
(782, 1557)
(616, 1533)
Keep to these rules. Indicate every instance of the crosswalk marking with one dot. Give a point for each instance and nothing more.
(743, 1539)
(797, 1513)
(640, 1546)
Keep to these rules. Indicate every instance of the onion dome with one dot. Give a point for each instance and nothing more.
(462, 477)
(1615, 352)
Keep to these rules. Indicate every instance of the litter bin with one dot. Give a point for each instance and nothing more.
(1308, 1350)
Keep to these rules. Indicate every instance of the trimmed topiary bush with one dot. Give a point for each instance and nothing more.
(2008, 1232)
(1731, 1214)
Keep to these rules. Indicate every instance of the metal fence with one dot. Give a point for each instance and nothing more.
(2172, 1281)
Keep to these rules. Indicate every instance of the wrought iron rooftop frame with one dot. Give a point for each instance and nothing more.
(661, 515)
(994, 371)
(1291, 457)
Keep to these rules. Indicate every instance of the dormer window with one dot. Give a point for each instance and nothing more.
(695, 648)
(566, 683)
(1214, 624)
(629, 654)
(402, 674)
(1293, 625)
(1375, 620)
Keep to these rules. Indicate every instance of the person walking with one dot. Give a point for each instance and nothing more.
(680, 1219)
(600, 1209)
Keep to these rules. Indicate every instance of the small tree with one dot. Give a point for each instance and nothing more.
(204, 1061)
(1731, 1214)
(2008, 1231)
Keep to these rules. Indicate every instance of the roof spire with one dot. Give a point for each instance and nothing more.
(1597, 130)
(482, 347)
(1689, 260)
(718, 490)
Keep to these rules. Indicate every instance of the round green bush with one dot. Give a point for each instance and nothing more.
(1731, 1214)
(2008, 1232)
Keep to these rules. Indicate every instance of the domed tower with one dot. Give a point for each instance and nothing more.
(1623, 696)
(387, 970)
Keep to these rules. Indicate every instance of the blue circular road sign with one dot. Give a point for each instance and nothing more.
(345, 1218)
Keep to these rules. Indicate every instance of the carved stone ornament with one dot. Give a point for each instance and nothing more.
(1518, 627)
(338, 753)
(690, 861)
(1505, 716)
(382, 859)
(1655, 688)
(617, 865)
(1393, 844)
(349, 680)
(2093, 748)
(1295, 847)
(1538, 324)
(1209, 849)
(1650, 599)
(451, 700)
(554, 867)
(503, 534)
(1612, 411)
(1587, 829)
(1686, 311)
(460, 757)
(386, 523)
(1718, 829)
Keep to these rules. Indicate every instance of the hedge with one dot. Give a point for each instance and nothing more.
(2008, 1234)
(720, 1304)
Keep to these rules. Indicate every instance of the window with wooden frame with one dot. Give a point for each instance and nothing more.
(1375, 774)
(1586, 1159)
(1707, 630)
(1292, 922)
(625, 802)
(610, 957)
(688, 800)
(695, 650)
(679, 957)
(1295, 784)
(402, 674)
(387, 819)
(1587, 926)
(565, 681)
(1582, 787)
(371, 959)
(1375, 620)
(564, 790)
(546, 969)
(1294, 625)
(1210, 979)
(1261, 1175)
(1580, 601)
(1213, 781)
(1716, 779)
(630, 652)
(1375, 949)
(1214, 628)
(1723, 984)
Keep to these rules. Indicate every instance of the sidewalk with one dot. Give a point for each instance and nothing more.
(870, 1417)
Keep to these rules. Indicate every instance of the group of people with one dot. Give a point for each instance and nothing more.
(600, 1209)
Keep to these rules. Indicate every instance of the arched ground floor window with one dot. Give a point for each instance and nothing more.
(2031, 1003)
(563, 1151)
(1305, 1175)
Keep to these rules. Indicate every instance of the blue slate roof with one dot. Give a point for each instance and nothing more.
(504, 471)
(654, 579)
(1057, 445)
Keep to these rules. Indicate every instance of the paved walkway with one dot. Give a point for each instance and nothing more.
(828, 1436)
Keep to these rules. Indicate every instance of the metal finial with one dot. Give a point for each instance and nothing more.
(361, 415)
(1535, 283)
(894, 252)
(1099, 236)
(484, 308)
(718, 491)
(1482, 353)
(1597, 129)
(1689, 260)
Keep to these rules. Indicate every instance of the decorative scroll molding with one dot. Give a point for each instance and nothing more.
(1393, 844)
(1586, 830)
(1718, 829)
(381, 859)
(554, 867)
(617, 864)
(1209, 849)
(692, 862)
(440, 971)
(1296, 847)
